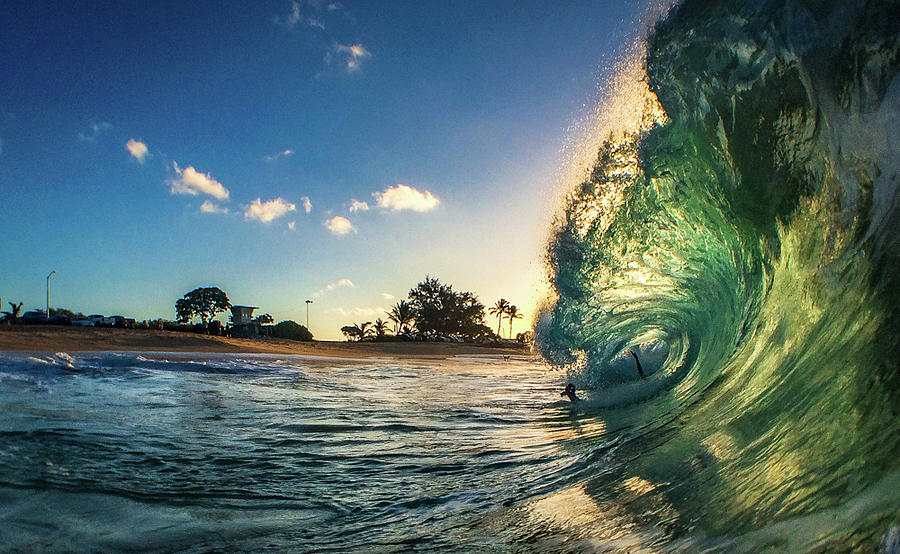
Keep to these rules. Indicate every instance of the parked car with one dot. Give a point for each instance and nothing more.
(84, 322)
(34, 317)
(97, 319)
(59, 319)
(119, 321)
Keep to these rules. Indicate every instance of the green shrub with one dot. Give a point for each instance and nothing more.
(291, 330)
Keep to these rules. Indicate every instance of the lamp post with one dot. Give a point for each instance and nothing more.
(308, 302)
(48, 293)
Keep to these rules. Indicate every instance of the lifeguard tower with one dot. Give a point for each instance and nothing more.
(242, 324)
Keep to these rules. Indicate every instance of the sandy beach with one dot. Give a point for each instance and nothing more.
(41, 338)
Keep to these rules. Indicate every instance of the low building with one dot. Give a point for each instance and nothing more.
(242, 324)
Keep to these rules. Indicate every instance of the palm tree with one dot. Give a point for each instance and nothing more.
(401, 314)
(13, 314)
(512, 313)
(364, 330)
(380, 327)
(499, 309)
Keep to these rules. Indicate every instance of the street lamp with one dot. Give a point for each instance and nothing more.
(48, 293)
(308, 302)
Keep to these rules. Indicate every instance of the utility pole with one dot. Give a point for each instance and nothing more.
(48, 293)
(308, 302)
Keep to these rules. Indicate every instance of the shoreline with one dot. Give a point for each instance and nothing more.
(48, 338)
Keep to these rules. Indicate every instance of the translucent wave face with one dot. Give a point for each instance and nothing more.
(744, 243)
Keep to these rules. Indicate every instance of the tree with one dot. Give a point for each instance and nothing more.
(365, 330)
(13, 314)
(359, 331)
(499, 309)
(66, 312)
(512, 313)
(204, 303)
(439, 310)
(350, 331)
(291, 330)
(380, 328)
(401, 314)
(265, 319)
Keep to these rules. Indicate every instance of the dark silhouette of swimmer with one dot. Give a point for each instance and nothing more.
(638, 362)
(570, 392)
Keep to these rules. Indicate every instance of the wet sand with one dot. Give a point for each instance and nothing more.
(45, 338)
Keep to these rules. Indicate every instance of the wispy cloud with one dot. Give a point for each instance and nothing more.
(212, 208)
(351, 55)
(403, 197)
(278, 155)
(339, 284)
(94, 131)
(291, 19)
(365, 313)
(358, 206)
(190, 181)
(292, 225)
(387, 296)
(306, 203)
(308, 13)
(269, 210)
(137, 149)
(339, 225)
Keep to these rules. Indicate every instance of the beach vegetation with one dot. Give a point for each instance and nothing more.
(66, 313)
(349, 331)
(364, 330)
(13, 314)
(358, 331)
(499, 309)
(380, 327)
(439, 310)
(512, 313)
(402, 314)
(203, 302)
(291, 330)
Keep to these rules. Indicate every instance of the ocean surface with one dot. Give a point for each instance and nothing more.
(736, 227)
(188, 452)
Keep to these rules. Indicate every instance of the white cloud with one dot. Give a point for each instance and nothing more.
(269, 210)
(137, 149)
(339, 284)
(212, 208)
(277, 155)
(351, 55)
(307, 205)
(358, 206)
(94, 131)
(292, 225)
(190, 181)
(339, 225)
(403, 197)
(387, 296)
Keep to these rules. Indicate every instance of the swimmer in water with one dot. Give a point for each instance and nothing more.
(638, 362)
(570, 392)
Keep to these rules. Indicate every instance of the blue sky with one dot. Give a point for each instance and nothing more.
(150, 148)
